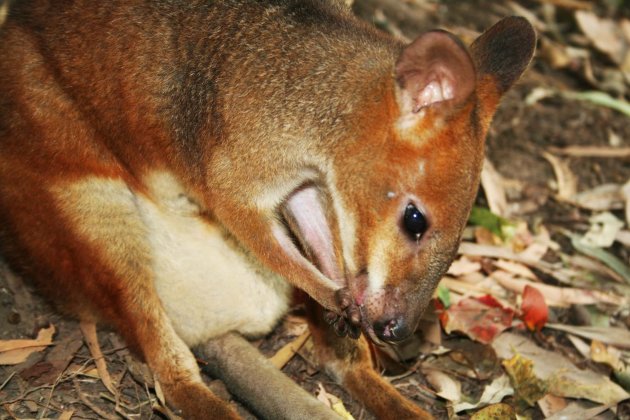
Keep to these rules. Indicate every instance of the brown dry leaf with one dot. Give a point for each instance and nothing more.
(607, 36)
(333, 402)
(560, 376)
(516, 269)
(13, 352)
(579, 410)
(551, 404)
(601, 198)
(463, 266)
(555, 54)
(607, 355)
(618, 337)
(289, 350)
(566, 179)
(558, 296)
(493, 187)
(66, 415)
(444, 385)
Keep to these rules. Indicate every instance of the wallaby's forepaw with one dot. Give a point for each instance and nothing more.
(349, 322)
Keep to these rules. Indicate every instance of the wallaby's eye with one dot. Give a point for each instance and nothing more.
(414, 222)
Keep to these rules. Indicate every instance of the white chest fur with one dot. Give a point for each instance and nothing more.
(207, 284)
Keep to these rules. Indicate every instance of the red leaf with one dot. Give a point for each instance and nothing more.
(534, 311)
(481, 319)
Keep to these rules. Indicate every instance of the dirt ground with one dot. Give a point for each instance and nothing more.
(47, 385)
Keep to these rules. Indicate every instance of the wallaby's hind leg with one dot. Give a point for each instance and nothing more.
(95, 251)
(349, 362)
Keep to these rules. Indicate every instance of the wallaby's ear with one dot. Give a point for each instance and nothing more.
(504, 51)
(435, 68)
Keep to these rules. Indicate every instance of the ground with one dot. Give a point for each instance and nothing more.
(538, 116)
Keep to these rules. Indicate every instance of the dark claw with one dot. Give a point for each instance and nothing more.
(330, 317)
(354, 332)
(341, 327)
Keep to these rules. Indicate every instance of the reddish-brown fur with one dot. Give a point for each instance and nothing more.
(241, 102)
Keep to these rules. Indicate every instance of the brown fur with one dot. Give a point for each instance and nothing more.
(241, 103)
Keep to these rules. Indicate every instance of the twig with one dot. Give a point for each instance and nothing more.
(24, 394)
(89, 404)
(569, 4)
(593, 151)
(6, 381)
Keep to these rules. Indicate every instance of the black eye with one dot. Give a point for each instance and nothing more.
(414, 222)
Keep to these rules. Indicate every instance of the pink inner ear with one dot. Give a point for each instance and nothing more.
(435, 68)
(309, 215)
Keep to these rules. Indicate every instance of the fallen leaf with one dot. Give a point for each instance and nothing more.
(333, 403)
(534, 311)
(481, 318)
(493, 393)
(606, 257)
(565, 178)
(605, 34)
(444, 295)
(603, 230)
(606, 355)
(66, 415)
(67, 343)
(516, 268)
(558, 296)
(495, 411)
(493, 187)
(601, 99)
(601, 198)
(551, 404)
(463, 265)
(579, 410)
(618, 337)
(558, 375)
(444, 385)
(527, 385)
(13, 352)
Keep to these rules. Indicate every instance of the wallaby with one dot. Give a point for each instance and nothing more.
(174, 168)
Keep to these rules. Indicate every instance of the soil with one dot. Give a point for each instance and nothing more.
(518, 137)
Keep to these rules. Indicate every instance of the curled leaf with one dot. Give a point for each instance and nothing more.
(534, 311)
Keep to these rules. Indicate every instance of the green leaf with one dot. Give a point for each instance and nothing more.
(602, 99)
(444, 295)
(483, 217)
(604, 256)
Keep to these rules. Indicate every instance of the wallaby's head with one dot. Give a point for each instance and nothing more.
(402, 191)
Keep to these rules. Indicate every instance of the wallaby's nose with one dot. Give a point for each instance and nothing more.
(392, 329)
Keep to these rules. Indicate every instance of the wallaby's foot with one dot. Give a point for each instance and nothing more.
(194, 401)
(380, 397)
